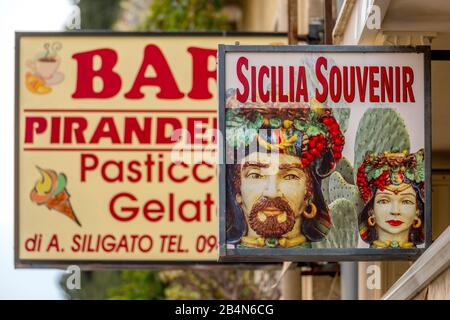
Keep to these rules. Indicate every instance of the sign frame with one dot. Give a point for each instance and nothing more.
(97, 264)
(322, 254)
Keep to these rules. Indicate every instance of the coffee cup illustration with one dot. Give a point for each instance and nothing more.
(44, 69)
(45, 66)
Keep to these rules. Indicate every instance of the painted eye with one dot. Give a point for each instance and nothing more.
(255, 175)
(291, 177)
(407, 202)
(383, 201)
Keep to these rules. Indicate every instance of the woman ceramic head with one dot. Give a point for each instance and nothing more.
(274, 196)
(392, 187)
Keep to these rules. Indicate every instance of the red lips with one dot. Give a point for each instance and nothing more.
(394, 223)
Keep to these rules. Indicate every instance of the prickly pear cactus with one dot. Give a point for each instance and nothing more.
(341, 115)
(380, 130)
(343, 202)
(344, 230)
(338, 188)
(345, 168)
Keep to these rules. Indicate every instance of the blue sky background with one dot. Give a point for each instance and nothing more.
(20, 15)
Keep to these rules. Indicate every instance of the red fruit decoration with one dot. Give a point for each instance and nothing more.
(316, 144)
(336, 136)
(363, 184)
(382, 180)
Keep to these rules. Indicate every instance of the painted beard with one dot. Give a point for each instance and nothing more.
(270, 226)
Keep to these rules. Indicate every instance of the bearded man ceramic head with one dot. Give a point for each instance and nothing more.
(274, 196)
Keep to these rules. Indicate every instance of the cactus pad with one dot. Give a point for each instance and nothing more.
(344, 230)
(380, 130)
(339, 188)
(345, 168)
(341, 115)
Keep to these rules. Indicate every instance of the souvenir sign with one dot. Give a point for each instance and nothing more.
(325, 152)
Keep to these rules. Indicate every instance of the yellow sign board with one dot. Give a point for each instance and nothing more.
(115, 147)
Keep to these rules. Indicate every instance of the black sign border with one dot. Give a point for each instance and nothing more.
(323, 254)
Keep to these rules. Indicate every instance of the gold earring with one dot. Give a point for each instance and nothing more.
(238, 198)
(417, 223)
(371, 221)
(311, 213)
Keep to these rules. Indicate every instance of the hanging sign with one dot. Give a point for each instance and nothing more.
(325, 152)
(115, 149)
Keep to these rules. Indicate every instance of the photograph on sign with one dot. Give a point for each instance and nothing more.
(325, 152)
(115, 155)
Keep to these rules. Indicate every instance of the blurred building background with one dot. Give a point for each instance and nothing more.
(203, 15)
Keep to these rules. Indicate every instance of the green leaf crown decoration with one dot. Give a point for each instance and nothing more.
(390, 168)
(298, 129)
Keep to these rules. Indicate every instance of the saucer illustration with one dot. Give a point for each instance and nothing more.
(57, 78)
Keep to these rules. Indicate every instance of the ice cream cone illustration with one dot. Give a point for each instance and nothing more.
(51, 191)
